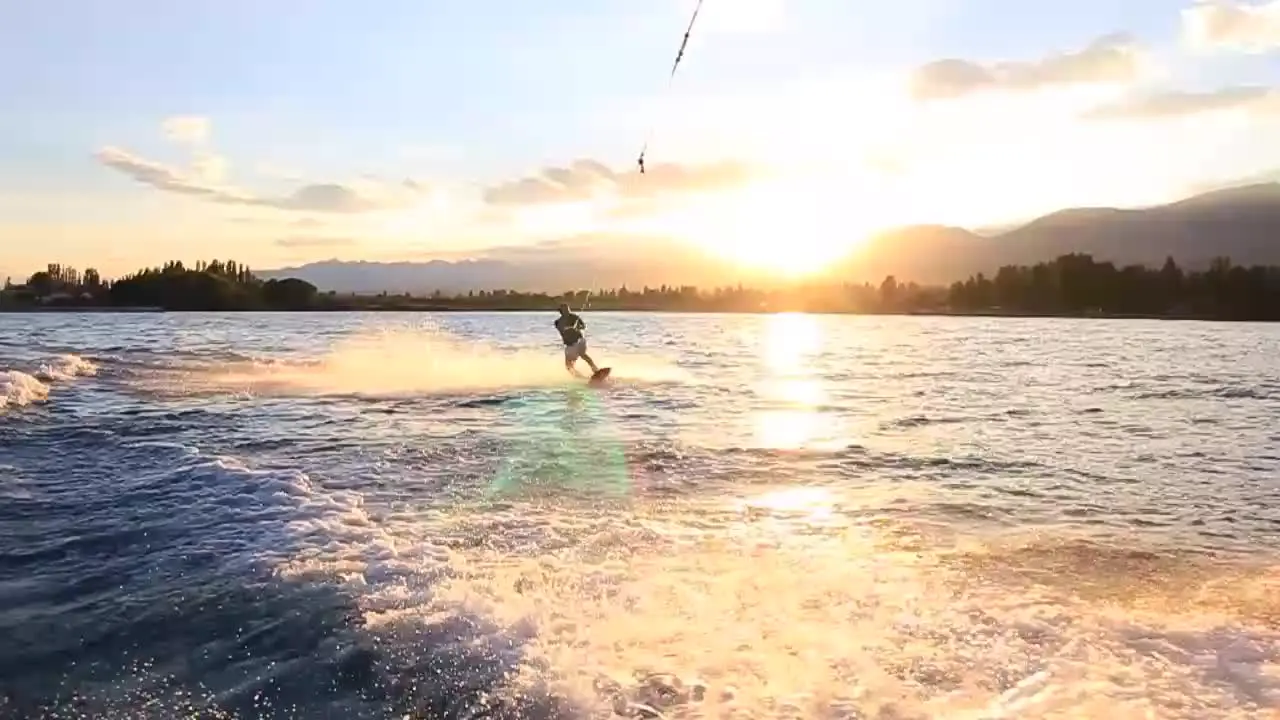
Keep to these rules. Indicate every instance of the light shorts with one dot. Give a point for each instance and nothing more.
(575, 351)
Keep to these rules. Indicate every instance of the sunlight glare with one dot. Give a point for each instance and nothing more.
(815, 503)
(785, 429)
(557, 219)
(803, 392)
(790, 339)
(771, 226)
(778, 227)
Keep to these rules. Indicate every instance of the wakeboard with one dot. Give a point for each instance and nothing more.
(599, 377)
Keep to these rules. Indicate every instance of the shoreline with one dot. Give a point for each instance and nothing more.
(1070, 286)
(83, 309)
(95, 309)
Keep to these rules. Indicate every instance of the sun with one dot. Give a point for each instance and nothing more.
(790, 227)
(774, 227)
(784, 250)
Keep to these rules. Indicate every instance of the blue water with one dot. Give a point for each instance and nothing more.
(388, 516)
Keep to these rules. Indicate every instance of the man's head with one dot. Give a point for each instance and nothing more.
(564, 308)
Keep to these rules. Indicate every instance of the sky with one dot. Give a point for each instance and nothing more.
(277, 133)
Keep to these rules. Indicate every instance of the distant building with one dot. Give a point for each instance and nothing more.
(57, 297)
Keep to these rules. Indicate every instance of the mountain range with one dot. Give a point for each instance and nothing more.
(1242, 223)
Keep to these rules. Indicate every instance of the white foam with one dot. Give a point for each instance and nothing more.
(275, 518)
(800, 604)
(18, 389)
(307, 530)
(66, 367)
(389, 363)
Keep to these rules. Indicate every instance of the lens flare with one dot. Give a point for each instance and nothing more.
(562, 440)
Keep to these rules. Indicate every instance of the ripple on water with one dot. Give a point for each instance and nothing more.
(292, 516)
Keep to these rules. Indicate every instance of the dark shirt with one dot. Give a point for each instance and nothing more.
(570, 327)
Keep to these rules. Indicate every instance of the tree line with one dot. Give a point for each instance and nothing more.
(1074, 284)
(208, 285)
(1077, 284)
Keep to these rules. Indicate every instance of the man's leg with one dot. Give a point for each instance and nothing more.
(571, 359)
(580, 349)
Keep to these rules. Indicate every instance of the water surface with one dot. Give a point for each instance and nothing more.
(384, 515)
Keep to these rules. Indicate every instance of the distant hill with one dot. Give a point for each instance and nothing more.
(581, 262)
(1240, 222)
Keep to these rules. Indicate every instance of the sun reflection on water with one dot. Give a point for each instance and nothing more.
(811, 503)
(790, 341)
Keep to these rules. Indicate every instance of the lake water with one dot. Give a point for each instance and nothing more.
(388, 516)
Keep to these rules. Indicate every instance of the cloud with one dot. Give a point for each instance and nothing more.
(161, 176)
(588, 179)
(204, 178)
(193, 132)
(582, 180)
(186, 129)
(1258, 178)
(307, 241)
(209, 167)
(1113, 58)
(304, 223)
(1220, 24)
(323, 197)
(1180, 104)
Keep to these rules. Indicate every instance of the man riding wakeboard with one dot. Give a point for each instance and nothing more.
(570, 327)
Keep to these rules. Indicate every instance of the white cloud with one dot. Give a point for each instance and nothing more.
(314, 241)
(1173, 104)
(318, 197)
(209, 168)
(1221, 24)
(193, 131)
(1113, 58)
(322, 197)
(205, 178)
(186, 129)
(588, 179)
